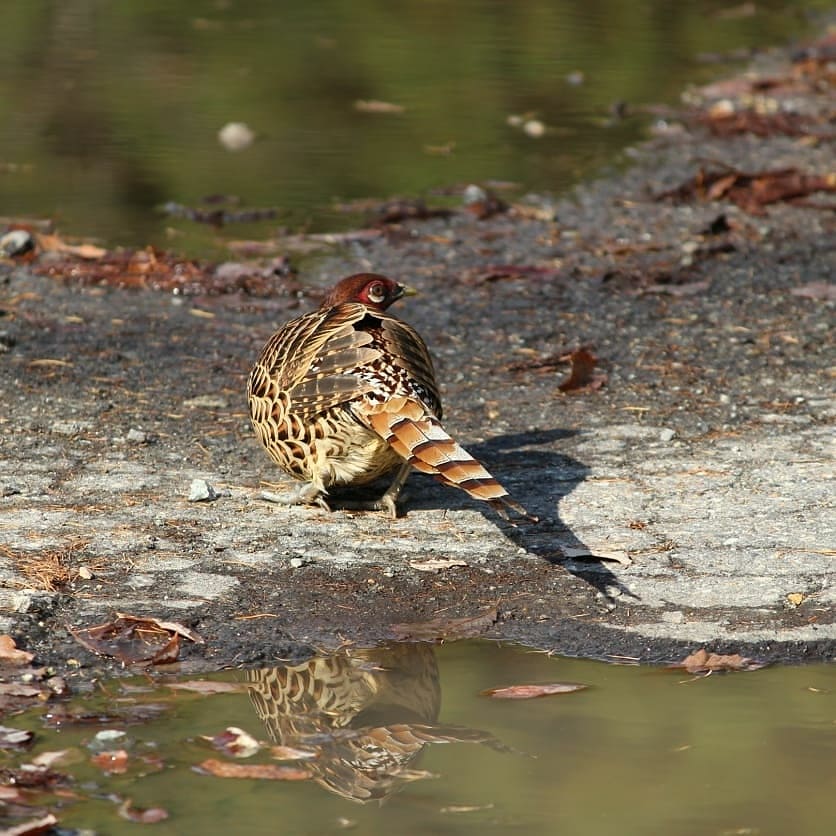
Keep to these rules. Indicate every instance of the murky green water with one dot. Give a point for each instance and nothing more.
(109, 110)
(404, 742)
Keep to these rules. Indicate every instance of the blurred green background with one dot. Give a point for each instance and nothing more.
(110, 109)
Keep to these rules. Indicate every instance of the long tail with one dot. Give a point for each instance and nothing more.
(419, 438)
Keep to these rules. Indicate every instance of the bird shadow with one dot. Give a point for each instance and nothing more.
(538, 478)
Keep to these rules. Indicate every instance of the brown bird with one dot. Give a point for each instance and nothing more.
(347, 393)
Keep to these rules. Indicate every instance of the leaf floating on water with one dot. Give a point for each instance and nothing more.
(151, 815)
(15, 738)
(288, 753)
(447, 628)
(376, 106)
(114, 762)
(528, 692)
(30, 828)
(262, 771)
(207, 686)
(11, 655)
(136, 640)
(701, 661)
(234, 742)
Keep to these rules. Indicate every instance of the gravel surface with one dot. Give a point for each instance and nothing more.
(685, 496)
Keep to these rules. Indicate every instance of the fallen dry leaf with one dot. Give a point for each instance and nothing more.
(581, 376)
(151, 815)
(288, 753)
(136, 640)
(376, 106)
(113, 763)
(528, 692)
(15, 738)
(262, 771)
(54, 243)
(434, 564)
(447, 628)
(826, 291)
(10, 653)
(752, 192)
(18, 689)
(234, 742)
(701, 661)
(207, 686)
(32, 827)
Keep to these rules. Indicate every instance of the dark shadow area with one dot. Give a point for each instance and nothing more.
(538, 478)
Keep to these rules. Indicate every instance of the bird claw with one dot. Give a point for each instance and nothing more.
(297, 497)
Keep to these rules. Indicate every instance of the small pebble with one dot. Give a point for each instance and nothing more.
(201, 491)
(84, 573)
(17, 242)
(136, 436)
(534, 128)
(236, 136)
(667, 434)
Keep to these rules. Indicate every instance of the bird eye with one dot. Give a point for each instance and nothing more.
(376, 292)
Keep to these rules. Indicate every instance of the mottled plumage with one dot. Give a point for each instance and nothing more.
(366, 714)
(347, 393)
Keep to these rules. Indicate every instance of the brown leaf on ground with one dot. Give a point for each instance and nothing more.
(447, 628)
(136, 640)
(499, 272)
(725, 124)
(527, 692)
(262, 771)
(701, 661)
(397, 211)
(581, 375)
(151, 815)
(54, 243)
(826, 291)
(751, 192)
(11, 655)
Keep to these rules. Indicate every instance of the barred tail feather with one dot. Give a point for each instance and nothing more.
(420, 439)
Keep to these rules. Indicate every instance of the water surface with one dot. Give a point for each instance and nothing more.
(405, 742)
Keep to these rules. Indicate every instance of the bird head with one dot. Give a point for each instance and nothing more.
(370, 289)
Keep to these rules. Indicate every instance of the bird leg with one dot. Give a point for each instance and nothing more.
(387, 502)
(306, 494)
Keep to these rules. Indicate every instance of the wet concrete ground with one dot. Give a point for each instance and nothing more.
(686, 502)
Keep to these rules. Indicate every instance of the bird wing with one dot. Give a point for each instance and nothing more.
(313, 359)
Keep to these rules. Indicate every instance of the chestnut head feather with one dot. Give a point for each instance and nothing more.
(371, 289)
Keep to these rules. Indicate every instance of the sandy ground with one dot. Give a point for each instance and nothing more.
(685, 498)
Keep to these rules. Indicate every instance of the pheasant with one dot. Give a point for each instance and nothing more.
(347, 393)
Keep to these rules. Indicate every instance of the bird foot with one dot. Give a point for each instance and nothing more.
(297, 497)
(385, 503)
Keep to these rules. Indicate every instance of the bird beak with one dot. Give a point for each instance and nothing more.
(406, 290)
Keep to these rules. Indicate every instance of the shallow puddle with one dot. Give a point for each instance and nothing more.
(402, 739)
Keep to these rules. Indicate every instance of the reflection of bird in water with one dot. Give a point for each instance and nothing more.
(367, 713)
